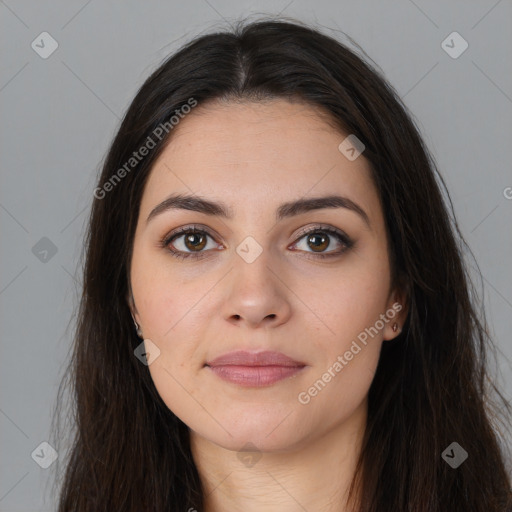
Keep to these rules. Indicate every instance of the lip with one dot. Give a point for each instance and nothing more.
(254, 369)
(246, 358)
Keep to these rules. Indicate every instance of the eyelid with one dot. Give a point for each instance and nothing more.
(320, 227)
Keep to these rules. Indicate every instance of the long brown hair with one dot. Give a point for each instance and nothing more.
(432, 386)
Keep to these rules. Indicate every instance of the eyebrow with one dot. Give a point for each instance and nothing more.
(286, 210)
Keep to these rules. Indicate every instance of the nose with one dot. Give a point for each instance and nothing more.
(257, 296)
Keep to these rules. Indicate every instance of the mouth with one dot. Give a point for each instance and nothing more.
(254, 369)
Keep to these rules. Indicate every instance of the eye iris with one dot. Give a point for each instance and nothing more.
(190, 239)
(323, 244)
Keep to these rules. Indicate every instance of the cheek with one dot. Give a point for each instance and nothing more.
(166, 300)
(347, 335)
(181, 394)
(332, 396)
(172, 321)
(344, 302)
(348, 341)
(174, 324)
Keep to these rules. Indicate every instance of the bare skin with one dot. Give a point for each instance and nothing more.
(299, 454)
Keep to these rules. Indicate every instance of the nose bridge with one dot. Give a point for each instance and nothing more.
(252, 264)
(256, 293)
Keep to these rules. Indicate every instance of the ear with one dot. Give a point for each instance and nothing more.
(131, 304)
(396, 312)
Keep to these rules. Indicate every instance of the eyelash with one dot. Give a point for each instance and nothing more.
(338, 234)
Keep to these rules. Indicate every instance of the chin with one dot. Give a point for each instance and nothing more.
(263, 435)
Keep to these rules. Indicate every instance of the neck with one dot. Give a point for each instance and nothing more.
(315, 475)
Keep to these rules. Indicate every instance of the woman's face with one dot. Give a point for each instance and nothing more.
(256, 281)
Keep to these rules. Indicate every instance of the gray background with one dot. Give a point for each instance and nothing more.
(59, 115)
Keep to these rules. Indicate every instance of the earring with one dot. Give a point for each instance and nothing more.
(396, 327)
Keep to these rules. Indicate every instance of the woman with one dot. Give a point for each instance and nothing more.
(276, 314)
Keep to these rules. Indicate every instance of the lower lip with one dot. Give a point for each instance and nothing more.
(254, 376)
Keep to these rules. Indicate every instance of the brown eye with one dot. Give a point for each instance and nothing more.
(195, 241)
(318, 242)
(188, 241)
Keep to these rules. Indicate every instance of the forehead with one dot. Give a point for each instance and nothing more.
(248, 153)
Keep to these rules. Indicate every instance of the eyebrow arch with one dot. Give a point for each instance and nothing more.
(286, 210)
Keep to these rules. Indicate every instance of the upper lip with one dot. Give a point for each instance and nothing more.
(245, 358)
